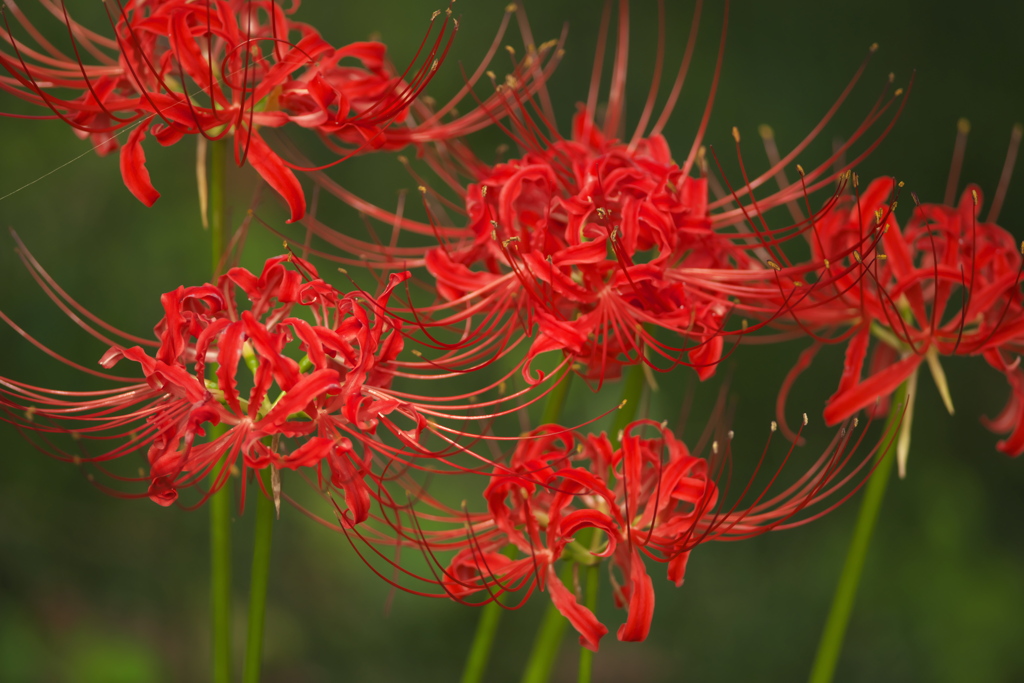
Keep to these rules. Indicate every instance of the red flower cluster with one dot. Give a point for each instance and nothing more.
(598, 245)
(594, 244)
(559, 235)
(287, 391)
(946, 284)
(214, 68)
(584, 499)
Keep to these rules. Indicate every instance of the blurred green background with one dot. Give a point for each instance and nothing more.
(94, 588)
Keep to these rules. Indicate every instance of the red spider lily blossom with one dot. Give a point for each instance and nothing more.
(214, 68)
(947, 284)
(589, 243)
(319, 413)
(561, 230)
(580, 499)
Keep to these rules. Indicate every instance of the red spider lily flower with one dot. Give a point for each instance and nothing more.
(947, 284)
(562, 230)
(598, 238)
(295, 372)
(215, 68)
(566, 497)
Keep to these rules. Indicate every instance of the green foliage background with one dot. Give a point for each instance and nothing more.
(94, 588)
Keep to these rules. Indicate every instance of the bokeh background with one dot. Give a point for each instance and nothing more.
(97, 589)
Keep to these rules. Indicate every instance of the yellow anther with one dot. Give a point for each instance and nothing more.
(774, 265)
(483, 191)
(873, 48)
(856, 180)
(775, 426)
(900, 184)
(76, 459)
(856, 255)
(736, 134)
(511, 7)
(974, 196)
(828, 264)
(422, 189)
(899, 91)
(800, 170)
(882, 257)
(765, 131)
(963, 126)
(805, 419)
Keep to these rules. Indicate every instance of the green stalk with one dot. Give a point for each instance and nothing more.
(549, 637)
(218, 210)
(258, 584)
(632, 390)
(548, 640)
(490, 617)
(831, 644)
(220, 502)
(586, 666)
(556, 400)
(483, 641)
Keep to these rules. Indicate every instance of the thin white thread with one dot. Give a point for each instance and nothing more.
(126, 129)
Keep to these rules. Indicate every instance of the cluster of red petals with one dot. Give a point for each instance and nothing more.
(228, 372)
(214, 68)
(581, 237)
(584, 500)
(944, 284)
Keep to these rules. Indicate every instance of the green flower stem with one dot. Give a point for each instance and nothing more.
(483, 641)
(556, 399)
(549, 639)
(490, 616)
(586, 666)
(220, 502)
(831, 644)
(218, 210)
(632, 391)
(258, 583)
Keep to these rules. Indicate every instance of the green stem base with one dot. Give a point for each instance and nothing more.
(831, 644)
